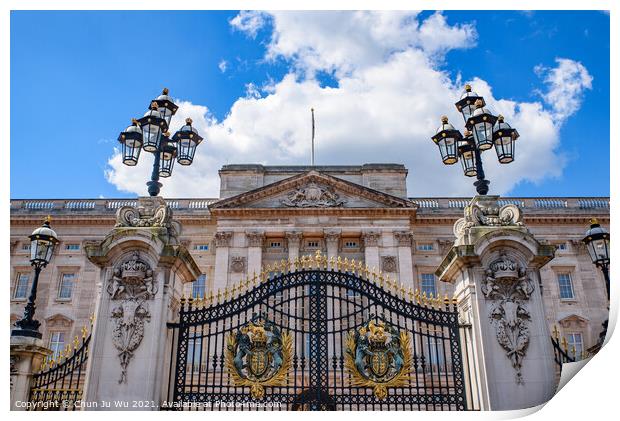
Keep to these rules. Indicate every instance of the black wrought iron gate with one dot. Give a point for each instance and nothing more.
(317, 335)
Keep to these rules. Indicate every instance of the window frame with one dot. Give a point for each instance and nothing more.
(571, 284)
(61, 279)
(202, 276)
(62, 347)
(16, 284)
(422, 280)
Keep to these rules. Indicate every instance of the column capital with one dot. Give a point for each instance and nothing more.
(223, 238)
(255, 238)
(293, 238)
(403, 238)
(371, 238)
(332, 236)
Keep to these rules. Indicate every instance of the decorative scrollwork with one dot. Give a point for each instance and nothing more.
(378, 356)
(259, 355)
(313, 195)
(509, 287)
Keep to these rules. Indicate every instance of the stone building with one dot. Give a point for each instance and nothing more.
(268, 213)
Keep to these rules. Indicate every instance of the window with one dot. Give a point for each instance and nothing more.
(194, 353)
(275, 244)
(57, 343)
(26, 247)
(312, 244)
(351, 293)
(562, 246)
(566, 286)
(575, 341)
(21, 286)
(199, 286)
(425, 247)
(65, 289)
(201, 247)
(427, 284)
(436, 351)
(350, 244)
(72, 247)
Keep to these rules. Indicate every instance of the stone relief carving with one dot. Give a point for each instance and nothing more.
(371, 239)
(132, 286)
(313, 195)
(403, 238)
(13, 373)
(293, 238)
(237, 264)
(486, 211)
(389, 264)
(150, 212)
(255, 238)
(223, 238)
(508, 287)
(332, 237)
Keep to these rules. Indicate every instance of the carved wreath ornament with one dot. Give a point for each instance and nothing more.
(132, 286)
(508, 288)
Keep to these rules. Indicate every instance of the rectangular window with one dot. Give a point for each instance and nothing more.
(72, 247)
(425, 247)
(201, 247)
(65, 289)
(575, 345)
(275, 244)
(26, 247)
(351, 244)
(21, 286)
(562, 246)
(312, 244)
(194, 353)
(57, 343)
(199, 286)
(427, 284)
(436, 352)
(566, 286)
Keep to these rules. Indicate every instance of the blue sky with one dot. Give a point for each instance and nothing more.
(77, 78)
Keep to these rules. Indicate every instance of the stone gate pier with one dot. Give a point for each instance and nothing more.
(494, 265)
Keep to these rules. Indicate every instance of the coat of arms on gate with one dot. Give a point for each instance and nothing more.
(259, 355)
(378, 356)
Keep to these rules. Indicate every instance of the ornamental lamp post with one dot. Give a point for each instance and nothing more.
(483, 131)
(42, 243)
(597, 243)
(150, 133)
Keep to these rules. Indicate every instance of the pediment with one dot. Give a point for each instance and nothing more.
(312, 190)
(58, 320)
(573, 321)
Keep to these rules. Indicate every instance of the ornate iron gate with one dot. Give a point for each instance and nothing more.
(317, 335)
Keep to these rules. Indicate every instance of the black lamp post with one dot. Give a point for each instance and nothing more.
(597, 243)
(42, 243)
(151, 134)
(483, 131)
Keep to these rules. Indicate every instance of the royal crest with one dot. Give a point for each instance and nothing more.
(378, 356)
(258, 355)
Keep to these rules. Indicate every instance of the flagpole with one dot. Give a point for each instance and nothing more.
(312, 159)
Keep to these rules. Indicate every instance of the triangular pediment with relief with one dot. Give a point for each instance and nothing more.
(313, 190)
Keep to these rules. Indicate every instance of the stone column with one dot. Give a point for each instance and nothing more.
(255, 251)
(26, 357)
(371, 248)
(293, 239)
(332, 241)
(142, 271)
(495, 265)
(223, 240)
(405, 262)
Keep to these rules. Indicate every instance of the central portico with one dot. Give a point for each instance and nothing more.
(270, 213)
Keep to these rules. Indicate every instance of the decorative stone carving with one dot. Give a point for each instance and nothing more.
(332, 237)
(508, 287)
(445, 245)
(237, 264)
(486, 211)
(223, 238)
(255, 238)
(132, 285)
(313, 195)
(403, 238)
(293, 238)
(389, 264)
(371, 238)
(151, 212)
(13, 370)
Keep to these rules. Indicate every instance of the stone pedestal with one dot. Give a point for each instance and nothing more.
(27, 354)
(494, 265)
(142, 270)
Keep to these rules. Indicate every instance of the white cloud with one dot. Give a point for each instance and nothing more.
(386, 105)
(249, 22)
(566, 84)
(223, 66)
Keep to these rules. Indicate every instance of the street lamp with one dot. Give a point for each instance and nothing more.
(597, 243)
(150, 133)
(42, 243)
(483, 131)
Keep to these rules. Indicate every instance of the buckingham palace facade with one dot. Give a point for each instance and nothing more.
(268, 214)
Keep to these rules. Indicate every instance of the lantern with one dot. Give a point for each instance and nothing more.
(447, 138)
(504, 138)
(152, 125)
(597, 243)
(187, 138)
(467, 104)
(131, 143)
(167, 154)
(467, 152)
(481, 124)
(165, 106)
(42, 243)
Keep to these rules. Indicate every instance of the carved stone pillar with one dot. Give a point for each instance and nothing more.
(495, 265)
(142, 271)
(332, 241)
(26, 357)
(293, 238)
(255, 251)
(371, 248)
(223, 241)
(405, 262)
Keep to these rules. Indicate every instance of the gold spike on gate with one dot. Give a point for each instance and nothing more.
(410, 294)
(565, 344)
(556, 332)
(446, 301)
